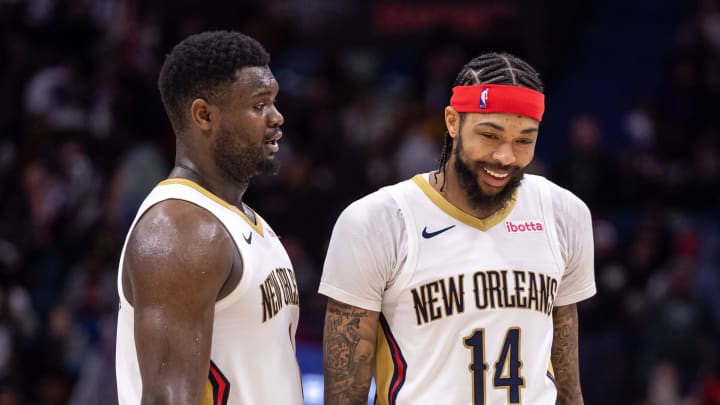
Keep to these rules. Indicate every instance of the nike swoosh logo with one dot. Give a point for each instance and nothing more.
(248, 239)
(428, 235)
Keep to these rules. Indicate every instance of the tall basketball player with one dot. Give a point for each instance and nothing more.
(209, 303)
(460, 286)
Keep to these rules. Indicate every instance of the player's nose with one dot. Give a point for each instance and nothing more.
(275, 118)
(504, 154)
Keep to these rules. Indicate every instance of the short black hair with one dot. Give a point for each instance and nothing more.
(492, 68)
(201, 66)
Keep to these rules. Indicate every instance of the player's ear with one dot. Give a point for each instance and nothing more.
(452, 121)
(202, 114)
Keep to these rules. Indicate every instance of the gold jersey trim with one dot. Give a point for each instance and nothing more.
(256, 225)
(383, 368)
(482, 224)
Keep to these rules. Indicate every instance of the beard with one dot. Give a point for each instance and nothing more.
(240, 164)
(468, 180)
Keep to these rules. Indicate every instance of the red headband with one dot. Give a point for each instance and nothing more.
(498, 98)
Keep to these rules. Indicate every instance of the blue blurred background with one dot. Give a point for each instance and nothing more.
(631, 126)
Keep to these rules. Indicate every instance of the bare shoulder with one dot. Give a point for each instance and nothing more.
(176, 243)
(175, 222)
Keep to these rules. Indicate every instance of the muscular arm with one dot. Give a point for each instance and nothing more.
(177, 260)
(349, 352)
(565, 355)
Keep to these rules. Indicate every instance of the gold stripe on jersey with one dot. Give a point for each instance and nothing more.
(384, 368)
(207, 398)
(551, 371)
(189, 183)
(455, 212)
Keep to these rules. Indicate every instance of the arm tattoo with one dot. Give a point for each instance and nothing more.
(565, 355)
(349, 350)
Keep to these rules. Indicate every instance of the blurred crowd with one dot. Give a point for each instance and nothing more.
(83, 138)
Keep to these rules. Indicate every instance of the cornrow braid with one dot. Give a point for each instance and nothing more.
(491, 68)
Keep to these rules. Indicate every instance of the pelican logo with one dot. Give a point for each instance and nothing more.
(484, 97)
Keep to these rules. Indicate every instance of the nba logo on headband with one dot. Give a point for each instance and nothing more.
(509, 99)
(484, 97)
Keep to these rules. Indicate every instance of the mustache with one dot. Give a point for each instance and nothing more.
(272, 134)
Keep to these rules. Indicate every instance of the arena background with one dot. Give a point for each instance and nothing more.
(631, 126)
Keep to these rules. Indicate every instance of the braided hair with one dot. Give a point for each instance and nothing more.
(491, 68)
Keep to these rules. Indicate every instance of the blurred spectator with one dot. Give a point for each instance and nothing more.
(139, 169)
(417, 152)
(586, 168)
(710, 386)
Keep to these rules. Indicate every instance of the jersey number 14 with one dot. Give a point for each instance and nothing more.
(507, 367)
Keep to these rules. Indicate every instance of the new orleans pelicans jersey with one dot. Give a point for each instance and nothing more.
(252, 357)
(465, 304)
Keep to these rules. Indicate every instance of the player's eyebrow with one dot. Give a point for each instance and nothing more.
(262, 93)
(491, 125)
(500, 128)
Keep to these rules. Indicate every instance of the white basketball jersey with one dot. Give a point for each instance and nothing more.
(466, 318)
(252, 357)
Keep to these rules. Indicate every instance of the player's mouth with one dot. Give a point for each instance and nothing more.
(272, 142)
(495, 177)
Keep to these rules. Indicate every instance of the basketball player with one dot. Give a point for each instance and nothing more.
(460, 286)
(208, 299)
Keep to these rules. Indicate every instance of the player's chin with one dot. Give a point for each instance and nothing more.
(270, 165)
(490, 191)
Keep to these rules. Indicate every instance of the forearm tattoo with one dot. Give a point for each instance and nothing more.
(349, 348)
(565, 355)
